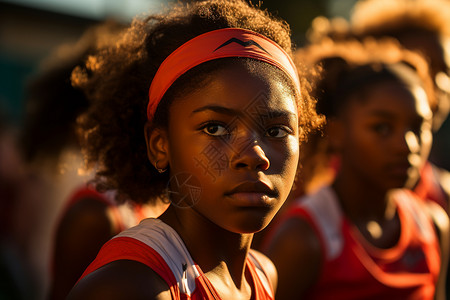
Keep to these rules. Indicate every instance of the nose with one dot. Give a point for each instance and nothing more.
(251, 157)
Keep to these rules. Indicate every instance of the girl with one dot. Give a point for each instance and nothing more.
(420, 26)
(201, 106)
(361, 237)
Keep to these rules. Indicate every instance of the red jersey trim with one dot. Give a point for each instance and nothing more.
(137, 251)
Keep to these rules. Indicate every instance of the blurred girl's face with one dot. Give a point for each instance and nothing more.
(437, 50)
(386, 137)
(233, 148)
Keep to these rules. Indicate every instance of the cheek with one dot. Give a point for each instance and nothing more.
(293, 153)
(204, 158)
(285, 159)
(183, 148)
(357, 144)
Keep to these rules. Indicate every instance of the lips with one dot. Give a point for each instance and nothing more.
(252, 194)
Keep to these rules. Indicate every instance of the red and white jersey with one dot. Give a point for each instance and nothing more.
(354, 269)
(159, 246)
(429, 187)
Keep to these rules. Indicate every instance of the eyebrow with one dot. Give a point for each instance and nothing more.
(386, 115)
(217, 109)
(381, 113)
(233, 112)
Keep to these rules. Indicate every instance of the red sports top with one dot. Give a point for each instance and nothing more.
(123, 216)
(158, 246)
(429, 187)
(354, 269)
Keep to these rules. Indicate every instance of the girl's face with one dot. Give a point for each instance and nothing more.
(233, 149)
(437, 50)
(387, 137)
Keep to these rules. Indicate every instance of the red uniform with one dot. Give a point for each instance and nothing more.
(158, 246)
(354, 269)
(429, 187)
(123, 216)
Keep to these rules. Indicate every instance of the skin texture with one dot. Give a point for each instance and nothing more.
(383, 140)
(251, 119)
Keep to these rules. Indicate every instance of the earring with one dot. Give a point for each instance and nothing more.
(159, 169)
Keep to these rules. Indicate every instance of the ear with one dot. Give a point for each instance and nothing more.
(157, 146)
(336, 133)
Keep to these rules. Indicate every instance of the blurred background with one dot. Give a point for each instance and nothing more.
(30, 30)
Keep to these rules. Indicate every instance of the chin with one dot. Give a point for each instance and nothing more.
(251, 225)
(398, 182)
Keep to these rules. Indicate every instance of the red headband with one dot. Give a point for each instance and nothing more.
(228, 42)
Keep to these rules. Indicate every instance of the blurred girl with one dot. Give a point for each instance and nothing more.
(362, 237)
(74, 219)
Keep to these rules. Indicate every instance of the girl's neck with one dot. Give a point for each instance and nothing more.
(218, 252)
(361, 201)
(372, 212)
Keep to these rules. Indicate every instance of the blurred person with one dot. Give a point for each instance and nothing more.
(15, 283)
(422, 26)
(77, 219)
(366, 235)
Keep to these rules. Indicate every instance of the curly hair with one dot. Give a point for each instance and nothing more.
(408, 21)
(344, 68)
(337, 70)
(117, 80)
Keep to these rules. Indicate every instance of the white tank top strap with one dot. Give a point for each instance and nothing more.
(407, 201)
(165, 240)
(324, 209)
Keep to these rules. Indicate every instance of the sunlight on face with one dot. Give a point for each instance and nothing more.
(423, 107)
(446, 46)
(238, 136)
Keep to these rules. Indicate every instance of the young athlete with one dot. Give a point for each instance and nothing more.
(419, 26)
(201, 106)
(362, 237)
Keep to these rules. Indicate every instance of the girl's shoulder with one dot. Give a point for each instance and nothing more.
(122, 279)
(152, 248)
(305, 223)
(129, 266)
(318, 219)
(295, 248)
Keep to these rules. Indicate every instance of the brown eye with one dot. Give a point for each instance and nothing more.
(383, 129)
(277, 132)
(215, 130)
